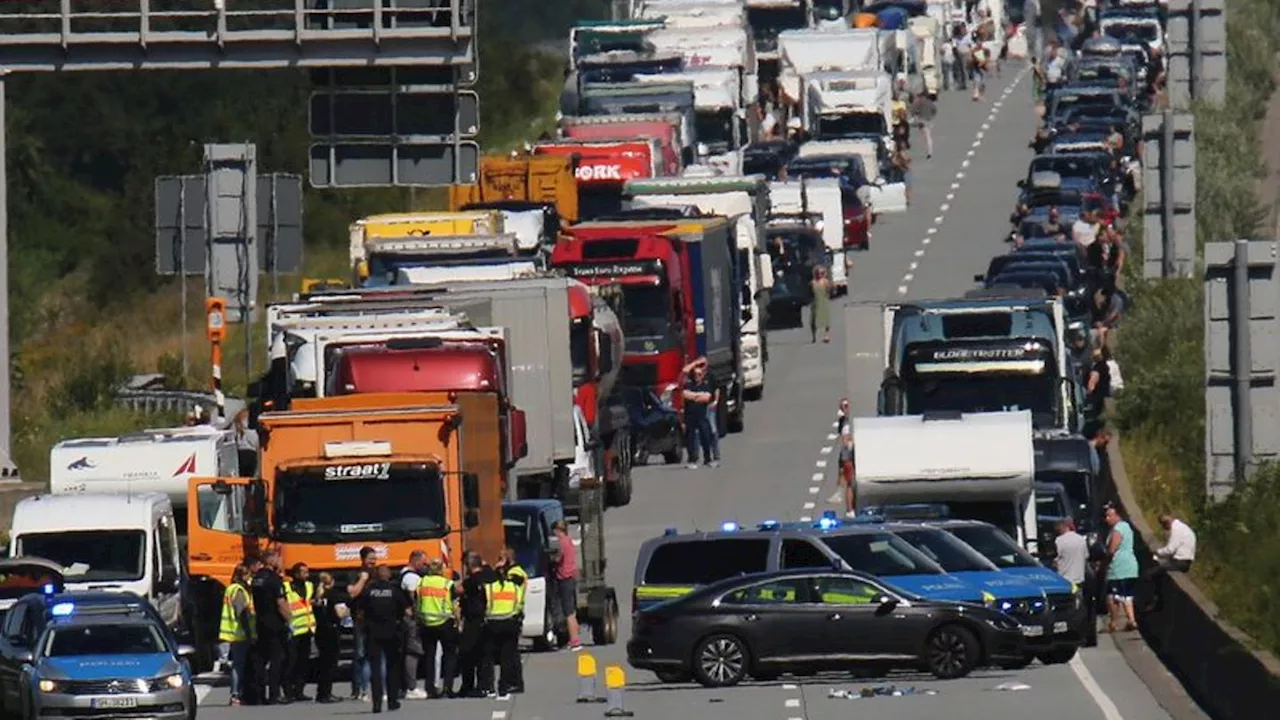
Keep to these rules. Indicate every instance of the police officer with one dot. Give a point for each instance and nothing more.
(383, 606)
(438, 614)
(272, 608)
(237, 627)
(474, 607)
(503, 622)
(300, 592)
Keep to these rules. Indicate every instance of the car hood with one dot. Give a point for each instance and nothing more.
(1002, 585)
(1047, 580)
(101, 667)
(937, 587)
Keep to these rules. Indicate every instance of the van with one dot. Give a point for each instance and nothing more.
(526, 525)
(676, 564)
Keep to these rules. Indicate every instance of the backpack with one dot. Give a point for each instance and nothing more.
(1117, 380)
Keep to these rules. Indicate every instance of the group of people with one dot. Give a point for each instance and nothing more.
(272, 620)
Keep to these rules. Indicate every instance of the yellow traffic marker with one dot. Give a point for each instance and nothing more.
(615, 679)
(587, 679)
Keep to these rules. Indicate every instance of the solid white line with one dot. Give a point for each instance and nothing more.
(821, 463)
(793, 702)
(908, 277)
(902, 289)
(1100, 698)
(920, 253)
(817, 477)
(806, 518)
(814, 490)
(789, 686)
(826, 450)
(809, 506)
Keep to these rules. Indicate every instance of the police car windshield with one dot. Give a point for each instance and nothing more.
(952, 554)
(366, 501)
(89, 555)
(993, 544)
(103, 639)
(880, 554)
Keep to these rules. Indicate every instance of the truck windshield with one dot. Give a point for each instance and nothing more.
(714, 128)
(103, 639)
(599, 199)
(993, 544)
(313, 505)
(944, 549)
(983, 392)
(1051, 505)
(767, 22)
(90, 555)
(646, 310)
(851, 124)
(880, 554)
(580, 350)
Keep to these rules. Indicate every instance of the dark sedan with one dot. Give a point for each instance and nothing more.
(766, 624)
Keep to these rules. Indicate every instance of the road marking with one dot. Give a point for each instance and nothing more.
(926, 241)
(790, 686)
(817, 477)
(938, 220)
(806, 518)
(202, 692)
(959, 176)
(809, 506)
(964, 164)
(831, 436)
(1100, 698)
(945, 207)
(902, 289)
(826, 450)
(955, 186)
(793, 702)
(933, 231)
(499, 715)
(976, 144)
(908, 277)
(821, 463)
(951, 196)
(920, 252)
(814, 490)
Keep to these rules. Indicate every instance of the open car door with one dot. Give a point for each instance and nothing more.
(24, 575)
(219, 528)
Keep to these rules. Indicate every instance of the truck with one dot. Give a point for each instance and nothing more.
(821, 203)
(805, 52)
(745, 201)
(719, 117)
(538, 179)
(396, 472)
(681, 300)
(403, 226)
(887, 191)
(981, 466)
(603, 167)
(453, 258)
(625, 99)
(768, 20)
(668, 129)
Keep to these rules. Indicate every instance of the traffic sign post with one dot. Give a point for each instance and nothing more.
(215, 311)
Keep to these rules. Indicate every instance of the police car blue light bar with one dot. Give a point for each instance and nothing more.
(828, 520)
(770, 525)
(728, 526)
(48, 588)
(62, 609)
(670, 531)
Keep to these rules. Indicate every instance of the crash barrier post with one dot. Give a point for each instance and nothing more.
(587, 680)
(615, 680)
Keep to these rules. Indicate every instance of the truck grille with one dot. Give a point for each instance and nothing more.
(110, 686)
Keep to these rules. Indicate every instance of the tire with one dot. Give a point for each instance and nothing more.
(753, 394)
(673, 676)
(1059, 655)
(194, 705)
(738, 421)
(546, 643)
(604, 630)
(951, 652)
(720, 661)
(618, 493)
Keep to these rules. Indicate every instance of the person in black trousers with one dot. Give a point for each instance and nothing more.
(445, 635)
(502, 634)
(327, 631)
(471, 648)
(273, 627)
(383, 605)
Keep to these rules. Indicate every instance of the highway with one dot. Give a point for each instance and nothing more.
(782, 468)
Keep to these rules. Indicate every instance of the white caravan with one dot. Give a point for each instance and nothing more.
(840, 104)
(822, 198)
(981, 465)
(884, 196)
(746, 201)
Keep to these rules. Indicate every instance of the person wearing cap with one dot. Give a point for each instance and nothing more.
(438, 615)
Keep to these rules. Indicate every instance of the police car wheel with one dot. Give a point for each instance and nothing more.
(720, 661)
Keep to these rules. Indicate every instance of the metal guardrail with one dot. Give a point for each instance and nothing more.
(174, 401)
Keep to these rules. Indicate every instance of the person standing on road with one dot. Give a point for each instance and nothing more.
(502, 628)
(474, 605)
(272, 608)
(410, 579)
(981, 63)
(300, 593)
(382, 607)
(820, 313)
(924, 109)
(438, 595)
(1071, 562)
(847, 472)
(237, 628)
(1122, 571)
(329, 613)
(700, 401)
(1176, 556)
(565, 571)
(842, 418)
(360, 657)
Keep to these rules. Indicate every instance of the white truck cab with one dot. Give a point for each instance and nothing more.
(106, 541)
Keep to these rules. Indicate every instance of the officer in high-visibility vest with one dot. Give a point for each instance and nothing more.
(300, 593)
(514, 570)
(437, 611)
(504, 596)
(236, 629)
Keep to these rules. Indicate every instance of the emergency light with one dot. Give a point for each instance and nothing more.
(670, 531)
(769, 525)
(48, 589)
(828, 520)
(729, 526)
(62, 609)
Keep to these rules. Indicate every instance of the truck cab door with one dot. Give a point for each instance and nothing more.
(218, 527)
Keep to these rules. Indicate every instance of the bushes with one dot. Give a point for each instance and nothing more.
(1162, 413)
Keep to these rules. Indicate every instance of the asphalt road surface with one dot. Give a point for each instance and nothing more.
(782, 468)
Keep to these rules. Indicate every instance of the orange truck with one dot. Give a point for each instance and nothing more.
(538, 179)
(396, 472)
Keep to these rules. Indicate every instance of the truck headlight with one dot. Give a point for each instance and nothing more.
(48, 686)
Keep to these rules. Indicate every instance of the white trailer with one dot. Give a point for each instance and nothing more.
(822, 198)
(981, 465)
(745, 200)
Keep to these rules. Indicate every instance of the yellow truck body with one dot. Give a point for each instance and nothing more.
(546, 179)
(416, 225)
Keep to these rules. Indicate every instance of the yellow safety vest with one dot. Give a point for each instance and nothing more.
(230, 629)
(302, 619)
(517, 571)
(502, 600)
(435, 606)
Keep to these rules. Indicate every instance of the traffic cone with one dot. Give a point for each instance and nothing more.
(615, 680)
(587, 679)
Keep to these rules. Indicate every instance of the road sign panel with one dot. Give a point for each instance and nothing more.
(383, 164)
(380, 114)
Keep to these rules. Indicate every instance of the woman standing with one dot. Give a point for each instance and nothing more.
(1122, 572)
(820, 313)
(847, 472)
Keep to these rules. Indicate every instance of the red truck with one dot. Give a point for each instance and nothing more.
(604, 167)
(666, 128)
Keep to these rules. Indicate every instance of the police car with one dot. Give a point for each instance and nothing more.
(92, 655)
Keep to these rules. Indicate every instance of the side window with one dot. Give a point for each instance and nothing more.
(802, 554)
(168, 549)
(706, 561)
(222, 513)
(845, 591)
(778, 592)
(13, 624)
(32, 624)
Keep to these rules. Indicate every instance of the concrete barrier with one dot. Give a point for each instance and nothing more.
(1213, 660)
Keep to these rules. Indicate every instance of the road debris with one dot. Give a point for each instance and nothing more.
(878, 691)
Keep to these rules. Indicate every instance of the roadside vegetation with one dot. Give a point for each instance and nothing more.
(1161, 414)
(87, 307)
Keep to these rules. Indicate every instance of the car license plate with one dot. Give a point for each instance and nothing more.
(115, 703)
(1059, 627)
(1032, 630)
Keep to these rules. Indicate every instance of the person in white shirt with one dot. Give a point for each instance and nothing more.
(1176, 556)
(1085, 230)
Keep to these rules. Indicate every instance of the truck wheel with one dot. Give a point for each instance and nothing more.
(618, 492)
(604, 629)
(753, 394)
(736, 420)
(722, 416)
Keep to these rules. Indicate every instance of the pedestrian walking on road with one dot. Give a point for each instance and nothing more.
(924, 110)
(700, 426)
(382, 607)
(1122, 571)
(438, 595)
(842, 418)
(411, 637)
(565, 572)
(360, 670)
(329, 614)
(847, 473)
(820, 312)
(272, 608)
(1176, 556)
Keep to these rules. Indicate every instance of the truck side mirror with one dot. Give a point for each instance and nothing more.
(519, 435)
(471, 499)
